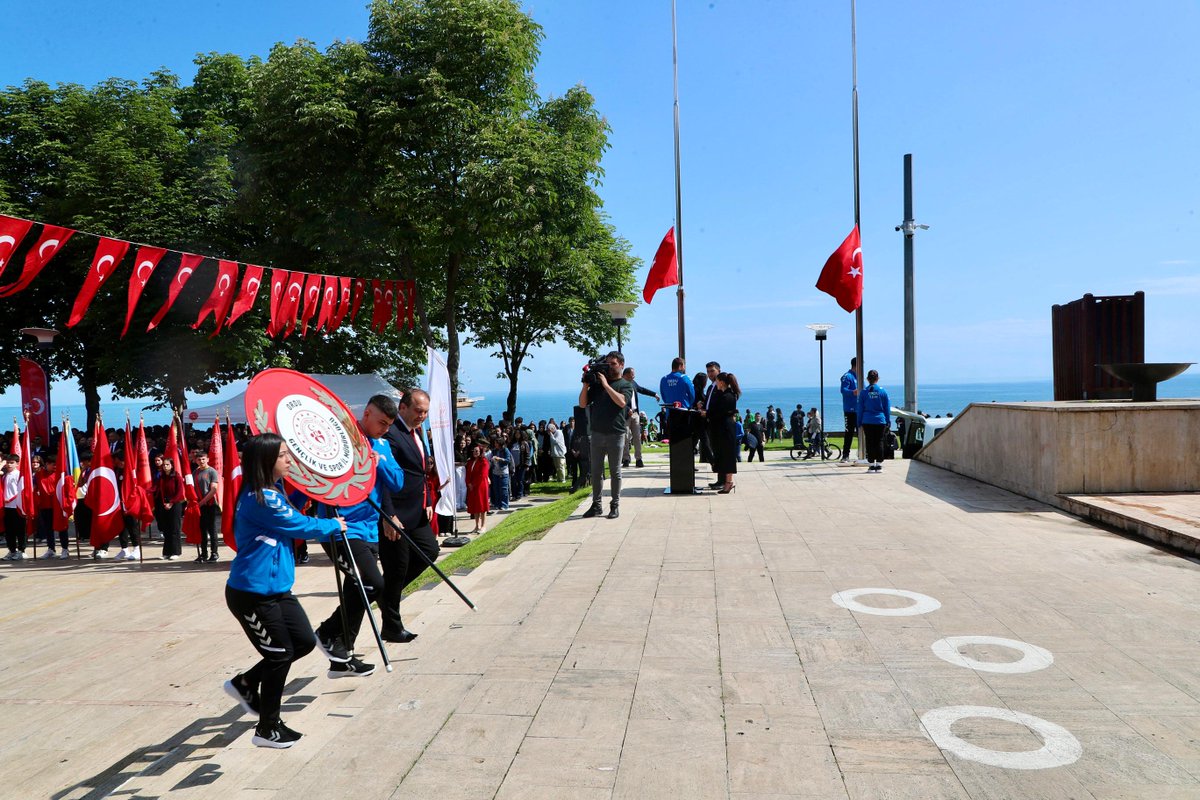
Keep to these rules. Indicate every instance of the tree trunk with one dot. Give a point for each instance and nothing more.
(89, 383)
(452, 347)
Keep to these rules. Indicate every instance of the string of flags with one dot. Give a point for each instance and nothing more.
(303, 301)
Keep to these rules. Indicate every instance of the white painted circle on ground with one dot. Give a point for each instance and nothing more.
(1033, 657)
(1059, 747)
(922, 603)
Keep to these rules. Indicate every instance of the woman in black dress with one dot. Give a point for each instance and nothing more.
(722, 407)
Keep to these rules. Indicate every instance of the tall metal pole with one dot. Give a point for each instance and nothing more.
(678, 191)
(858, 315)
(910, 319)
(821, 348)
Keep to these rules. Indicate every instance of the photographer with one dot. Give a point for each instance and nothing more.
(606, 395)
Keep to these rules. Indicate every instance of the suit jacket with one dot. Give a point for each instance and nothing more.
(408, 503)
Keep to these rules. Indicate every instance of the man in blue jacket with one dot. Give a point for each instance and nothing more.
(362, 536)
(676, 387)
(849, 406)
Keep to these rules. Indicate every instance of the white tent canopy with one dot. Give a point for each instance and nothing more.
(354, 390)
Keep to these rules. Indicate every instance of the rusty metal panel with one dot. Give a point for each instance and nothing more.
(1097, 330)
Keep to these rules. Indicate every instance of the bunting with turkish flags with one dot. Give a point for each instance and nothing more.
(279, 283)
(360, 288)
(109, 253)
(187, 265)
(144, 263)
(251, 280)
(345, 291)
(231, 487)
(221, 299)
(103, 497)
(12, 232)
(664, 271)
(329, 301)
(312, 301)
(47, 247)
(289, 307)
(842, 275)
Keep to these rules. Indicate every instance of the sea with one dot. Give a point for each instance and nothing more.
(933, 399)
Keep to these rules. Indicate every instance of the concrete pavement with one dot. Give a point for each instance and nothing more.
(690, 649)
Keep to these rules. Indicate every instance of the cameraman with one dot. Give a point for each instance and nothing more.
(606, 395)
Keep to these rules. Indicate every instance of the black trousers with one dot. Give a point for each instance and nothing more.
(280, 631)
(131, 533)
(400, 566)
(873, 434)
(172, 518)
(208, 530)
(365, 558)
(14, 530)
(757, 448)
(851, 429)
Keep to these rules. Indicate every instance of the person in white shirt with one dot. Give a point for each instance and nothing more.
(558, 451)
(634, 424)
(14, 514)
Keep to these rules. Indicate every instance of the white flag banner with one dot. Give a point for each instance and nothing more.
(441, 429)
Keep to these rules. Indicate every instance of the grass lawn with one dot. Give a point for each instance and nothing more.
(520, 526)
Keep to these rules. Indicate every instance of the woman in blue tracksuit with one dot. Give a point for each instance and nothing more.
(875, 416)
(260, 581)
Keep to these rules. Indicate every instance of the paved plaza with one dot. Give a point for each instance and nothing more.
(697, 647)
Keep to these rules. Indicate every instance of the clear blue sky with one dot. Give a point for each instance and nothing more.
(1055, 149)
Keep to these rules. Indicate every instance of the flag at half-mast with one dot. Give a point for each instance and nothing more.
(664, 271)
(842, 275)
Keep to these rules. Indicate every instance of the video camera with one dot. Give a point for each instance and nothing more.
(593, 369)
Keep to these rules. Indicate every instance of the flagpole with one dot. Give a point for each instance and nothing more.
(858, 314)
(678, 192)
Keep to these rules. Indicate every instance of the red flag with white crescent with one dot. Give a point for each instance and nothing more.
(329, 301)
(103, 497)
(231, 487)
(279, 282)
(251, 280)
(47, 247)
(216, 453)
(221, 299)
(385, 305)
(360, 287)
(293, 297)
(145, 478)
(401, 304)
(12, 232)
(842, 275)
(345, 291)
(312, 300)
(412, 303)
(35, 398)
(187, 265)
(134, 498)
(28, 501)
(143, 266)
(191, 512)
(109, 253)
(64, 487)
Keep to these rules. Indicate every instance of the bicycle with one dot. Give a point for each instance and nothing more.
(807, 451)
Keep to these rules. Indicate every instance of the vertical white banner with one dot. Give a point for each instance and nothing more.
(441, 429)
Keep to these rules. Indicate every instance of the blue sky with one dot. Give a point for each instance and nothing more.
(1054, 147)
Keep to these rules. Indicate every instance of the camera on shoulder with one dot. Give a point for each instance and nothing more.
(593, 370)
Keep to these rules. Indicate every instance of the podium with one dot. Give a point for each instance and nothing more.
(682, 451)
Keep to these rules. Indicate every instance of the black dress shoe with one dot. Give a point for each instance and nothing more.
(639, 463)
(613, 512)
(403, 637)
(716, 485)
(594, 511)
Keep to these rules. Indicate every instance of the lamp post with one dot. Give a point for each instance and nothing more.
(820, 329)
(619, 313)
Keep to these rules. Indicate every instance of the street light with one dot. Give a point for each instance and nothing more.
(821, 329)
(619, 313)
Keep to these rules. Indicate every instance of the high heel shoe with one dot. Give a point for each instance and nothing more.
(727, 489)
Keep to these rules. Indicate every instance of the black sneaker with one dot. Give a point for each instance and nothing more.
(213, 558)
(275, 734)
(351, 669)
(245, 696)
(639, 463)
(613, 511)
(333, 649)
(594, 511)
(304, 558)
(200, 559)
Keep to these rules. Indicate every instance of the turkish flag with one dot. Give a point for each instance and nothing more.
(251, 280)
(187, 265)
(64, 487)
(842, 275)
(231, 487)
(28, 504)
(329, 301)
(145, 478)
(104, 263)
(360, 286)
(312, 301)
(345, 291)
(385, 305)
(133, 497)
(102, 497)
(47, 247)
(221, 299)
(191, 511)
(216, 453)
(35, 398)
(145, 262)
(289, 306)
(412, 303)
(279, 282)
(665, 269)
(12, 231)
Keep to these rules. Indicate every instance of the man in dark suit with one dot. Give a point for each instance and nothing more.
(413, 512)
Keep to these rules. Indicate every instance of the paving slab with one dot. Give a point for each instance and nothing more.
(690, 649)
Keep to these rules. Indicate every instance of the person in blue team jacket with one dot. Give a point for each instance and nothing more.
(260, 582)
(875, 416)
(850, 407)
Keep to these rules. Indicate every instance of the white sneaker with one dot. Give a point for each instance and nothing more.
(134, 555)
(48, 554)
(20, 556)
(63, 554)
(101, 554)
(12, 556)
(121, 556)
(174, 558)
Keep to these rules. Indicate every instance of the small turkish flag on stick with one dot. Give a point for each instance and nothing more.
(842, 275)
